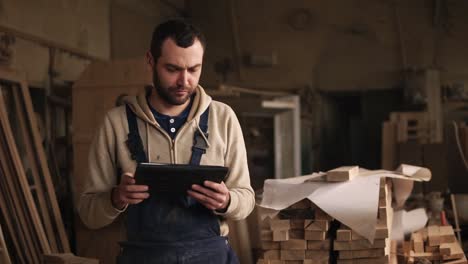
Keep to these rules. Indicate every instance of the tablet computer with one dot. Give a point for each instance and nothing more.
(176, 178)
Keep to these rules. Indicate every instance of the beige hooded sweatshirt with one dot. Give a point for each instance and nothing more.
(109, 153)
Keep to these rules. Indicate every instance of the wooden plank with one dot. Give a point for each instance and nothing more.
(424, 255)
(9, 214)
(318, 245)
(433, 235)
(281, 235)
(343, 235)
(4, 255)
(43, 208)
(294, 244)
(270, 254)
(316, 256)
(446, 234)
(358, 244)
(22, 211)
(380, 233)
(381, 260)
(458, 261)
(315, 235)
(45, 169)
(418, 242)
(434, 105)
(280, 224)
(292, 254)
(363, 253)
(453, 249)
(267, 245)
(14, 77)
(345, 173)
(382, 212)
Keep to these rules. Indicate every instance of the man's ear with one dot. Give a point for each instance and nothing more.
(150, 59)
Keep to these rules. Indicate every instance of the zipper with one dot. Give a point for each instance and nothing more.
(173, 157)
(172, 142)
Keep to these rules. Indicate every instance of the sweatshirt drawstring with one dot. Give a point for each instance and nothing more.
(203, 134)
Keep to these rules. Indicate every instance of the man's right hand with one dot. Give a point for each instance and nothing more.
(127, 192)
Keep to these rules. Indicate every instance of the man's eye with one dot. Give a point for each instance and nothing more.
(171, 70)
(193, 70)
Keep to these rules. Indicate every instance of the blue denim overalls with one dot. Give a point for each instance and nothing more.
(175, 229)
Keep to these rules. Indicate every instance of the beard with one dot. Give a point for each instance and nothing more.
(169, 93)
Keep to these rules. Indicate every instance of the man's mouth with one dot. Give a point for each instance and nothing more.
(181, 92)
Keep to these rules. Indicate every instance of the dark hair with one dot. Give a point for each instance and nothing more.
(181, 31)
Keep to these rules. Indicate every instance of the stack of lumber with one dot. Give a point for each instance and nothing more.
(353, 248)
(303, 233)
(29, 213)
(436, 244)
(299, 234)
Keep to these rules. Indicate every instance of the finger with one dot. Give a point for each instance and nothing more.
(205, 200)
(133, 201)
(219, 197)
(218, 187)
(139, 195)
(135, 188)
(213, 185)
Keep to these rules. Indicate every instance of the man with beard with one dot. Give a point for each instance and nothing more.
(165, 124)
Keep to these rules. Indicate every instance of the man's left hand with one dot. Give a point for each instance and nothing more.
(214, 196)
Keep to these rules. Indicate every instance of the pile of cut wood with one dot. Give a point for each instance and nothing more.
(298, 235)
(353, 248)
(303, 233)
(434, 244)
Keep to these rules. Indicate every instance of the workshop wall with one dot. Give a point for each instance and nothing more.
(331, 45)
(132, 24)
(82, 25)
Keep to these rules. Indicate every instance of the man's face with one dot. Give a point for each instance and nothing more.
(177, 71)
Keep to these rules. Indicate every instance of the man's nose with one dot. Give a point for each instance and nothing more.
(183, 78)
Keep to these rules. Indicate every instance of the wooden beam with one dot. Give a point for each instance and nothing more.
(25, 234)
(26, 103)
(18, 167)
(34, 171)
(49, 44)
(8, 222)
(4, 255)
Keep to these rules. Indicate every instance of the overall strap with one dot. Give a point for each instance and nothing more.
(199, 144)
(134, 143)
